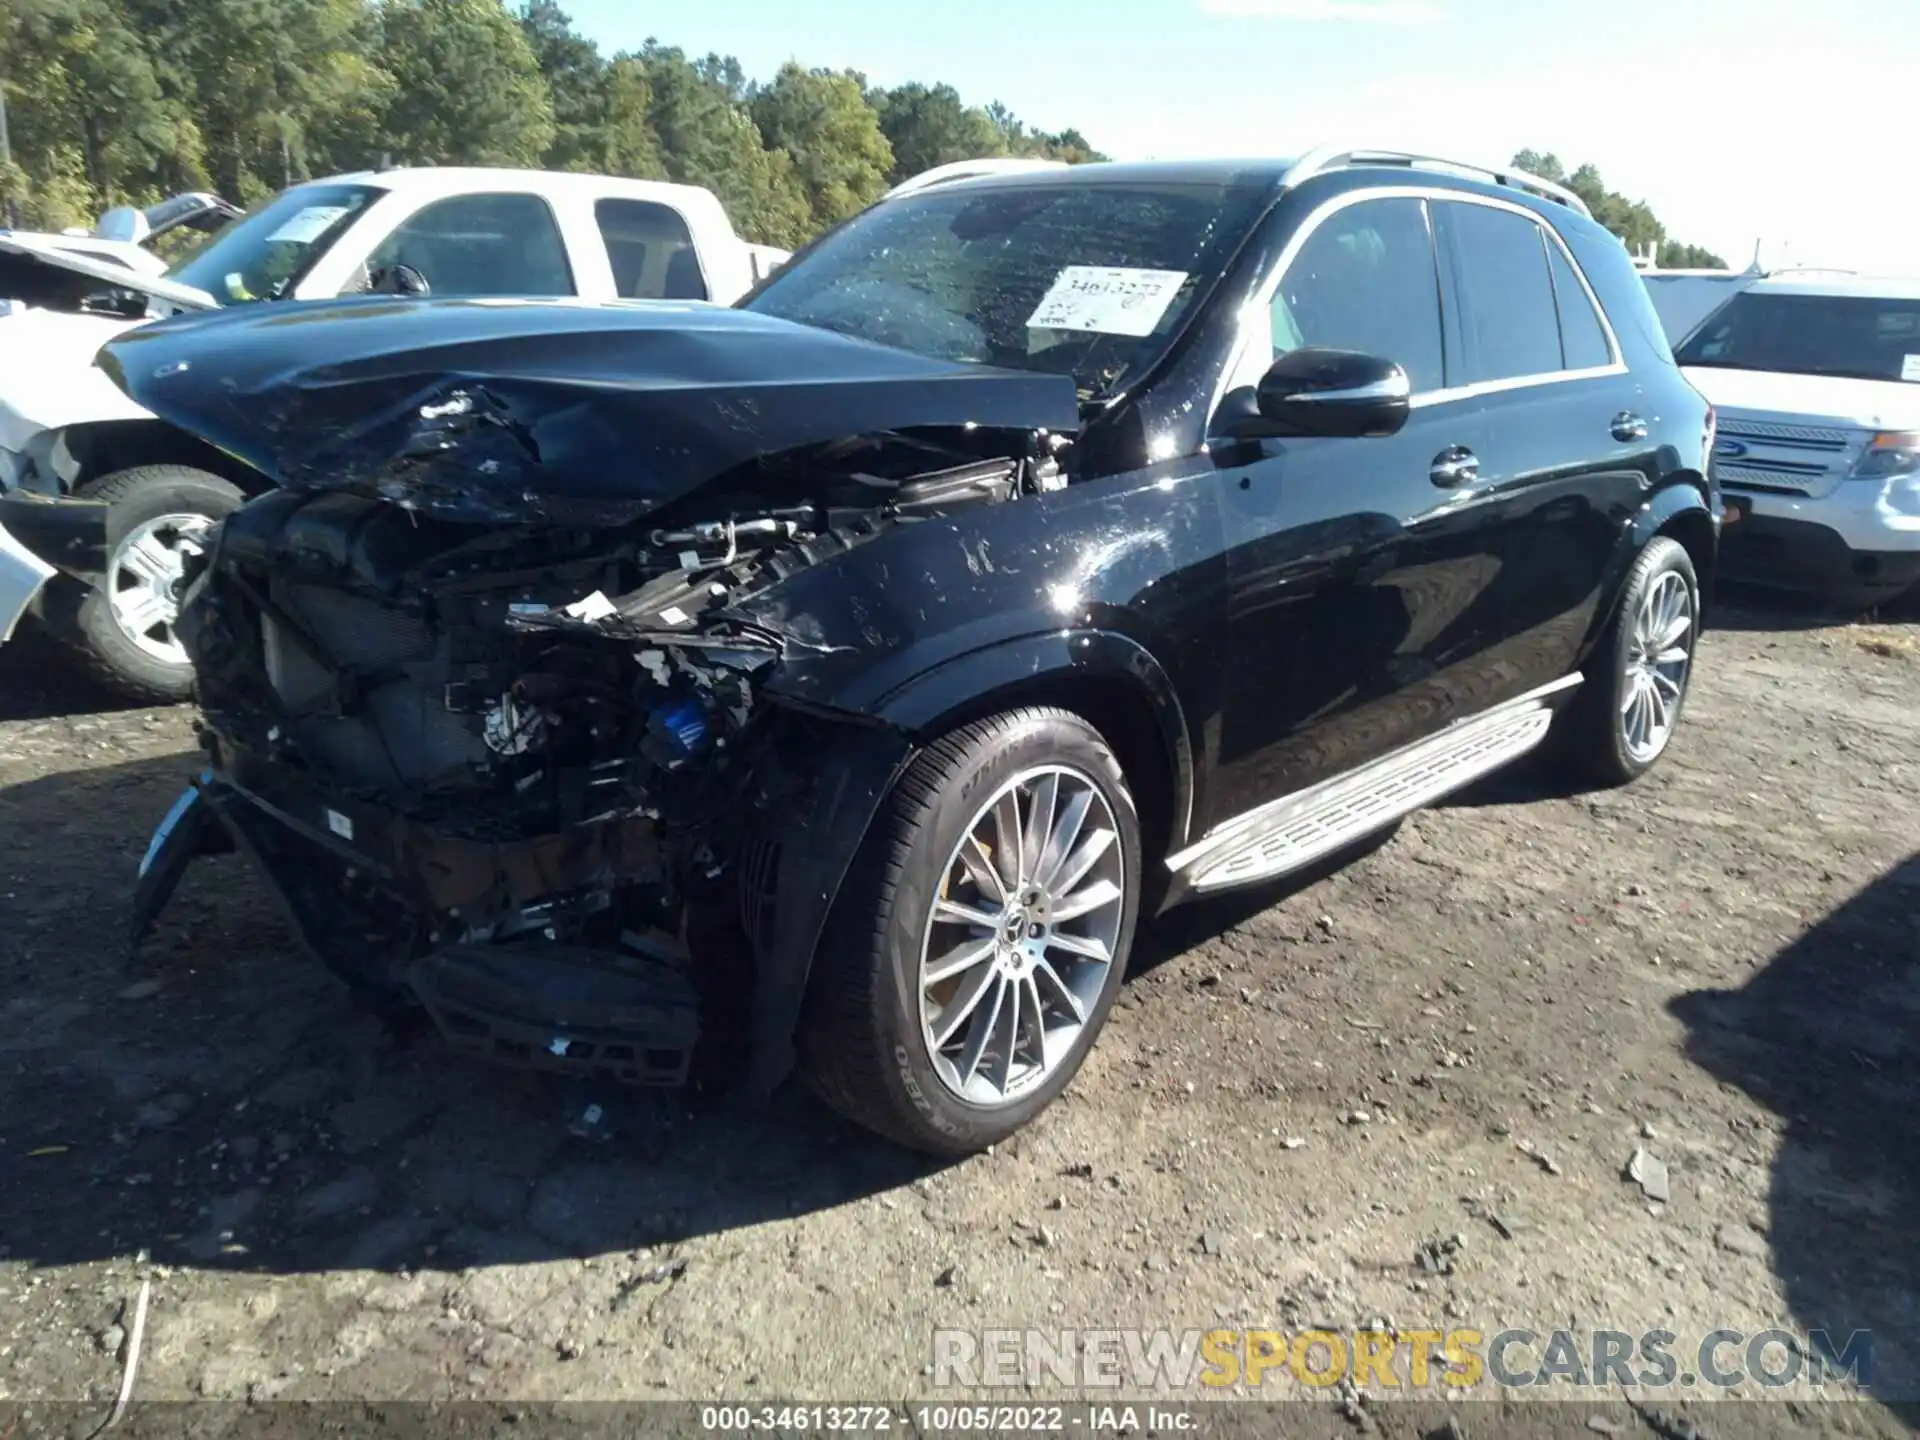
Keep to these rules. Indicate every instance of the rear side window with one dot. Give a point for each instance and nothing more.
(1507, 311)
(482, 245)
(1583, 341)
(651, 251)
(1365, 280)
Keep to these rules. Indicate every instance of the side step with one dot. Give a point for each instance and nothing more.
(1292, 832)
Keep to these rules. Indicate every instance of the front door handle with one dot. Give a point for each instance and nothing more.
(1455, 465)
(1629, 426)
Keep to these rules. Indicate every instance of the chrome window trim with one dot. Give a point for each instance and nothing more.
(1255, 320)
(1516, 382)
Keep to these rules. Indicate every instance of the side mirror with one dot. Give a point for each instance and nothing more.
(397, 280)
(1317, 391)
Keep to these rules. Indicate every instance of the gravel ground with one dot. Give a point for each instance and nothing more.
(1466, 1031)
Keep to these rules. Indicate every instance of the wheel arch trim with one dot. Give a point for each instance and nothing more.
(1684, 502)
(1010, 672)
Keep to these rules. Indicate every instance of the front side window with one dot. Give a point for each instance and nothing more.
(1507, 311)
(1365, 280)
(651, 251)
(481, 245)
(1091, 280)
(1863, 337)
(263, 254)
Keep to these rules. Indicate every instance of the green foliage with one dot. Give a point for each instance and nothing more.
(629, 145)
(578, 83)
(932, 125)
(822, 120)
(707, 137)
(1632, 220)
(467, 88)
(126, 101)
(89, 123)
(1016, 139)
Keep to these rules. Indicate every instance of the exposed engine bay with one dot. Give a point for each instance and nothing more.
(526, 775)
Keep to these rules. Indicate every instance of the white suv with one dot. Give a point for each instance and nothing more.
(1816, 382)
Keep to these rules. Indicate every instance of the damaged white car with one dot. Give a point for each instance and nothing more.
(66, 431)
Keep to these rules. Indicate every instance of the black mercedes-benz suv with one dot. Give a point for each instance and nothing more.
(837, 679)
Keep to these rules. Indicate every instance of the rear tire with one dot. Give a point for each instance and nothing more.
(156, 512)
(894, 1003)
(1623, 717)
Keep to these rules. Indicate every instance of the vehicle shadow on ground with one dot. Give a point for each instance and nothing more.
(1751, 608)
(1827, 1036)
(221, 1103)
(39, 681)
(1188, 927)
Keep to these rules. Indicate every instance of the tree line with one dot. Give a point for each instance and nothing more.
(106, 102)
(1631, 220)
(125, 101)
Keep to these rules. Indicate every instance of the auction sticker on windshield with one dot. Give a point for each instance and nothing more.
(1910, 367)
(309, 225)
(1107, 299)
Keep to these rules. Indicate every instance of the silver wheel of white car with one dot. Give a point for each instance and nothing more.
(144, 574)
(125, 634)
(1021, 935)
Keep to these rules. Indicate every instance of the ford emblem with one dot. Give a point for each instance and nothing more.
(1729, 449)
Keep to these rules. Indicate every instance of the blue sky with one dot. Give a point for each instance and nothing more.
(1791, 122)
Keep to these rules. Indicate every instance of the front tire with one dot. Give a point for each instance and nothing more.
(123, 635)
(1624, 716)
(981, 937)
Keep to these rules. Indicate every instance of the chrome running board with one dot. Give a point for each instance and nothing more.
(1295, 830)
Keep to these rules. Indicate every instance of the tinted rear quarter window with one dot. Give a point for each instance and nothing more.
(1582, 338)
(1365, 280)
(651, 251)
(1507, 311)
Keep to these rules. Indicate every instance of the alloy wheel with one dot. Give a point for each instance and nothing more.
(144, 575)
(1659, 659)
(1019, 942)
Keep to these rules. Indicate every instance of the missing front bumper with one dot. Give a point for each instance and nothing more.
(288, 830)
(366, 888)
(562, 1010)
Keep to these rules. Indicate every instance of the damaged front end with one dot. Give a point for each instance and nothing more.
(494, 701)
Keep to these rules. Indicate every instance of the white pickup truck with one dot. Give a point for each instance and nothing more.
(67, 432)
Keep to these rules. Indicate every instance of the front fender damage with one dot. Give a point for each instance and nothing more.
(546, 782)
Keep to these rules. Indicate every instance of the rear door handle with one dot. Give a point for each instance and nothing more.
(1629, 426)
(1455, 465)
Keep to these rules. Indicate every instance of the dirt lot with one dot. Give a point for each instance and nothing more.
(1477, 1022)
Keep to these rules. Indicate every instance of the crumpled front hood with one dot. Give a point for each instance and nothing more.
(527, 410)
